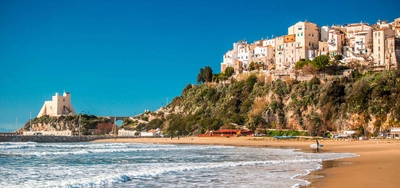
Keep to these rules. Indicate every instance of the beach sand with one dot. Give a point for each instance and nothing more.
(377, 166)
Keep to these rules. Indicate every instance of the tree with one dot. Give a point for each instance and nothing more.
(155, 123)
(251, 66)
(200, 78)
(338, 57)
(320, 62)
(187, 88)
(229, 71)
(251, 81)
(300, 64)
(105, 128)
(207, 74)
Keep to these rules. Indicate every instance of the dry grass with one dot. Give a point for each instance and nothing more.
(261, 78)
(241, 77)
(268, 79)
(258, 106)
(289, 80)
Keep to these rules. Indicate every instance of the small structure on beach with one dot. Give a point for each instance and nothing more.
(151, 133)
(123, 132)
(395, 132)
(227, 133)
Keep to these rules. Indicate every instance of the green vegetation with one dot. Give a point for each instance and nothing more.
(229, 71)
(71, 122)
(205, 75)
(365, 102)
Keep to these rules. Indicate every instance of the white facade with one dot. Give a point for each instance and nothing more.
(324, 33)
(123, 132)
(335, 42)
(279, 53)
(48, 133)
(362, 43)
(148, 134)
(59, 105)
(269, 42)
(380, 37)
(244, 54)
(307, 38)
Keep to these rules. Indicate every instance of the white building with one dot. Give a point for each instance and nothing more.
(362, 45)
(228, 60)
(279, 53)
(307, 39)
(123, 132)
(325, 33)
(269, 42)
(48, 133)
(59, 105)
(335, 42)
(380, 36)
(244, 53)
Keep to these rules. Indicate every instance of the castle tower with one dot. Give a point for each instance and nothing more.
(59, 105)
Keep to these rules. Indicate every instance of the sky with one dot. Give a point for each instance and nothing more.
(120, 58)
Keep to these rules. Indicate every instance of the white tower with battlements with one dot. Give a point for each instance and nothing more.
(59, 105)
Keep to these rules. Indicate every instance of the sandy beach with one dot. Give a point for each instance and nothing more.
(377, 165)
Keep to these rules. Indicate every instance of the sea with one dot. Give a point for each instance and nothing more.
(87, 164)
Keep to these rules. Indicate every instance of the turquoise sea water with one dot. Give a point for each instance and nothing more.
(31, 164)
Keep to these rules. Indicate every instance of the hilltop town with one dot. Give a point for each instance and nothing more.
(360, 44)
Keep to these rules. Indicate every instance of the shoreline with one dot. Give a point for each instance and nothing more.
(376, 165)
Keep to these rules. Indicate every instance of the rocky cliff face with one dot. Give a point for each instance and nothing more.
(367, 103)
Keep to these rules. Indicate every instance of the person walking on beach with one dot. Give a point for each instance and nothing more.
(317, 145)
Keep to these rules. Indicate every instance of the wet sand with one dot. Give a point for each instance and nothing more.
(377, 165)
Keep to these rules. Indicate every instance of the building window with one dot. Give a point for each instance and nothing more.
(312, 35)
(63, 100)
(309, 44)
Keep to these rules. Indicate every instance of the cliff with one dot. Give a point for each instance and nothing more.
(367, 103)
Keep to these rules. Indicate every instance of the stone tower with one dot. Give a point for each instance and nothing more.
(59, 105)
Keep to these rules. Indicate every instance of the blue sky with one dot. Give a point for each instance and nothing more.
(122, 57)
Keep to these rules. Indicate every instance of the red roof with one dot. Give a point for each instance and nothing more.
(228, 130)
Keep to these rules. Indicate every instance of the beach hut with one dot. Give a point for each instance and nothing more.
(395, 133)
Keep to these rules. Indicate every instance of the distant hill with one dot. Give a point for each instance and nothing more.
(6, 130)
